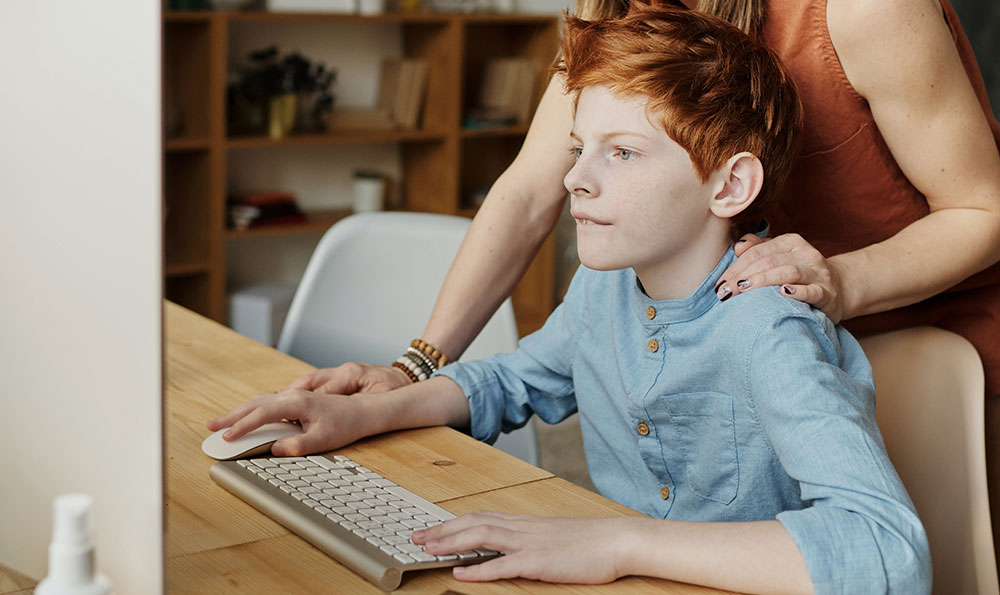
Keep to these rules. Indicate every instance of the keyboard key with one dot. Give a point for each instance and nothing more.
(422, 557)
(394, 539)
(468, 555)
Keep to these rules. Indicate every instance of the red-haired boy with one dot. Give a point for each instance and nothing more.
(744, 429)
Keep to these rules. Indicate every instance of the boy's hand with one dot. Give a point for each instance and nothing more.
(351, 378)
(791, 262)
(328, 421)
(551, 549)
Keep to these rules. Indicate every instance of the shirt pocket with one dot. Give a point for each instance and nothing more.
(701, 429)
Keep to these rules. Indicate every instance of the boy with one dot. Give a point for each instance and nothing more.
(754, 415)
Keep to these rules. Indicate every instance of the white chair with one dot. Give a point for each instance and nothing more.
(368, 291)
(929, 390)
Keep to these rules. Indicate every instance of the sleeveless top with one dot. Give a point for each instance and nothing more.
(846, 191)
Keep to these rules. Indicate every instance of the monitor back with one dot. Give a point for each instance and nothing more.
(80, 281)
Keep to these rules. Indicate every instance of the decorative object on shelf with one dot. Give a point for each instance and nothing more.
(189, 5)
(461, 6)
(401, 94)
(279, 94)
(371, 7)
(369, 191)
(506, 94)
(230, 5)
(337, 6)
(260, 209)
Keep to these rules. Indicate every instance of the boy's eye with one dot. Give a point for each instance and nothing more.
(626, 155)
(576, 152)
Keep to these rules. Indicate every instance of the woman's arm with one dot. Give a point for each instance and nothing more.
(520, 210)
(758, 557)
(332, 421)
(900, 56)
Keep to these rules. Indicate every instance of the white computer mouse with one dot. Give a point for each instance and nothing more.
(253, 443)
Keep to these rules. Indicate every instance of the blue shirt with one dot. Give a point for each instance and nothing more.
(756, 408)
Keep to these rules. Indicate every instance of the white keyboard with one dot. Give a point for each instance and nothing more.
(355, 515)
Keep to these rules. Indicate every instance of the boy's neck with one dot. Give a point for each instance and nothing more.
(678, 276)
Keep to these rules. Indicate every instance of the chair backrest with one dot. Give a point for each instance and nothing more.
(929, 388)
(369, 288)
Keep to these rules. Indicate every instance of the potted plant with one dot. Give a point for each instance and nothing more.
(272, 90)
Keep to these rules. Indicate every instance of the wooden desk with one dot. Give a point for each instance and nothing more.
(216, 543)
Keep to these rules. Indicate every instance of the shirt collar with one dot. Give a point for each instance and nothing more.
(675, 311)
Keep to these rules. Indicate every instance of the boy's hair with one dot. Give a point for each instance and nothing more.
(715, 90)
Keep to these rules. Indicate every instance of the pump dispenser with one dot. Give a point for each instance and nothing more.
(71, 553)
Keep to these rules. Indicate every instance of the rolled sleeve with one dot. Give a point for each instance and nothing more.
(813, 394)
(505, 390)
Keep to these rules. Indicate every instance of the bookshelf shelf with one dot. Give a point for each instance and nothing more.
(186, 144)
(442, 164)
(518, 131)
(335, 138)
(317, 223)
(186, 269)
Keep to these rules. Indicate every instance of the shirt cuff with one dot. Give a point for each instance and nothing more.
(479, 384)
(840, 551)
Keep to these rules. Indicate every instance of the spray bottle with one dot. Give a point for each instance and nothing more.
(71, 553)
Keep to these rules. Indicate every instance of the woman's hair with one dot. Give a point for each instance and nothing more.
(748, 15)
(715, 90)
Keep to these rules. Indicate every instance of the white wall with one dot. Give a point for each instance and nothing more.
(80, 269)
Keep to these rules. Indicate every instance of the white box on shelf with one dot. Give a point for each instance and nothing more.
(340, 6)
(259, 311)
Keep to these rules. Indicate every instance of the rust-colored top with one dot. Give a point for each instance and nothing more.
(846, 191)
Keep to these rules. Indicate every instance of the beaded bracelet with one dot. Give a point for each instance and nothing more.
(413, 367)
(429, 365)
(413, 377)
(430, 350)
(419, 363)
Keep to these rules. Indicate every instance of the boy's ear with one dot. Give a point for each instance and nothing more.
(738, 182)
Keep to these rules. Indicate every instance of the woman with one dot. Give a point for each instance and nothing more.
(894, 202)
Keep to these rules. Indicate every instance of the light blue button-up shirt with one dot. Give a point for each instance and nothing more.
(756, 408)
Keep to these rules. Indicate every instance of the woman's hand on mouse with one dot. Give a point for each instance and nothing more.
(791, 262)
(551, 549)
(328, 421)
(351, 378)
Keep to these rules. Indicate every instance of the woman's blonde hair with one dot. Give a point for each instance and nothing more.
(747, 15)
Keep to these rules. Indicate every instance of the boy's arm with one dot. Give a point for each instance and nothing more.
(757, 557)
(332, 421)
(505, 390)
(813, 395)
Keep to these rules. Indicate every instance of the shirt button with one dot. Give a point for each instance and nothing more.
(650, 312)
(654, 345)
(665, 492)
(642, 429)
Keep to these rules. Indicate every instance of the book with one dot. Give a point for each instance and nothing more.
(508, 87)
(402, 88)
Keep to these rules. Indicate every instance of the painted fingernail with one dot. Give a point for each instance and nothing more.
(725, 294)
(743, 283)
(718, 285)
(789, 290)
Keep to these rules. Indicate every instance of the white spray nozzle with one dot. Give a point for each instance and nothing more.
(72, 520)
(71, 553)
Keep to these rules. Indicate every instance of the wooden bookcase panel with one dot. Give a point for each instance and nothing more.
(186, 79)
(485, 41)
(192, 291)
(441, 163)
(484, 158)
(187, 228)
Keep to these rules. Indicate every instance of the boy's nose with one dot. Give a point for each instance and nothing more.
(578, 182)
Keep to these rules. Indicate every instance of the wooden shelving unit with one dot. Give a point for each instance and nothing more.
(442, 164)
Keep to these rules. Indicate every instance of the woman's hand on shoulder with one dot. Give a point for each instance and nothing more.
(788, 261)
(550, 549)
(351, 378)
